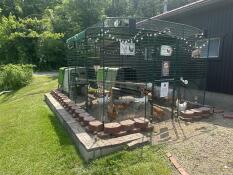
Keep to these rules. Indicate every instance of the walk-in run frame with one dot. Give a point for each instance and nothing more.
(124, 68)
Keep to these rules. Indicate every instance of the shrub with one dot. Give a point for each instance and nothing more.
(13, 77)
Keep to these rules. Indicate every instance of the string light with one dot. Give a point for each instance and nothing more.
(137, 37)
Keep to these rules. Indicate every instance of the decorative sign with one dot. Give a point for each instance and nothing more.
(127, 48)
(116, 23)
(166, 50)
(164, 89)
(165, 68)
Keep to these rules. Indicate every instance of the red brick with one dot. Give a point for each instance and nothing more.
(177, 165)
(127, 125)
(112, 128)
(141, 122)
(96, 125)
(218, 111)
(119, 134)
(102, 135)
(134, 130)
(228, 115)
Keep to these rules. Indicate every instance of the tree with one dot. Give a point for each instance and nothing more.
(20, 40)
(71, 17)
(11, 7)
(35, 31)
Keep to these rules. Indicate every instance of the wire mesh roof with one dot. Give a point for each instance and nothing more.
(152, 25)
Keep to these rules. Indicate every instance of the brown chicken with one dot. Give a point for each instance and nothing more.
(111, 111)
(122, 106)
(158, 113)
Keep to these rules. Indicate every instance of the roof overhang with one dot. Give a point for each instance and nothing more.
(78, 37)
(189, 7)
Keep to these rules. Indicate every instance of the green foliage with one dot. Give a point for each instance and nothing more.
(26, 38)
(13, 77)
(35, 31)
(70, 17)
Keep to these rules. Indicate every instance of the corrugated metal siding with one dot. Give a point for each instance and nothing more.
(218, 21)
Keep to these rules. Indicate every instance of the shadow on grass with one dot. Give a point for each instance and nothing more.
(63, 135)
(61, 132)
(48, 76)
(53, 77)
(8, 96)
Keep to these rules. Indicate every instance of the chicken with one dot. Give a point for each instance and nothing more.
(181, 106)
(158, 113)
(112, 112)
(196, 53)
(122, 106)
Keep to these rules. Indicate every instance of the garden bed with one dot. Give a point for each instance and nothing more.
(88, 144)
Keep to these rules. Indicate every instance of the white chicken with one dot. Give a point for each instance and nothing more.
(181, 106)
(103, 100)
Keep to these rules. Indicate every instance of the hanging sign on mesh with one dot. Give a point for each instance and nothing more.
(165, 68)
(164, 89)
(127, 48)
(166, 50)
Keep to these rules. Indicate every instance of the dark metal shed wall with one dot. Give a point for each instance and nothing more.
(218, 20)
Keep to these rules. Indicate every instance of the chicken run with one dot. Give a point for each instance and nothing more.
(127, 69)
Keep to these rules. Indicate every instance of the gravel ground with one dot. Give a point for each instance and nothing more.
(202, 148)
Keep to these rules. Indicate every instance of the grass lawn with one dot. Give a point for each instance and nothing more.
(33, 142)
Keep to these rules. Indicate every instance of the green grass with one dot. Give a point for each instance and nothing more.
(32, 141)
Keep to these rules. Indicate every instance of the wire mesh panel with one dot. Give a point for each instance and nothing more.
(125, 68)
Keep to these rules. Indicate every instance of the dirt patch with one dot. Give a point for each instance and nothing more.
(202, 148)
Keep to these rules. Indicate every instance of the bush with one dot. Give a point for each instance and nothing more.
(13, 77)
